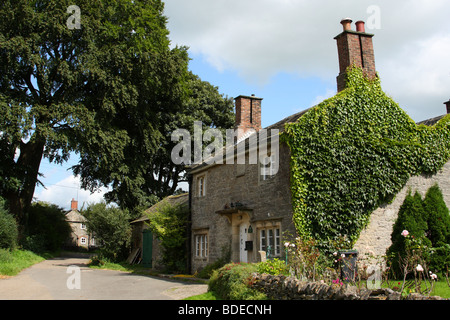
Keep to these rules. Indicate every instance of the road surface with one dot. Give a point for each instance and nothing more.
(71, 279)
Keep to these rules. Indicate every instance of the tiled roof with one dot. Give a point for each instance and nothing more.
(181, 199)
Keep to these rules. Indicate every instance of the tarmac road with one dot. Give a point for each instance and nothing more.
(55, 280)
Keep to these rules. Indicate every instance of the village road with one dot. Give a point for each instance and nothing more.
(55, 280)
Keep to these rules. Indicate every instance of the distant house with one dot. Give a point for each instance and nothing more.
(80, 237)
(146, 248)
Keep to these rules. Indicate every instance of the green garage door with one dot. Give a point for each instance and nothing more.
(147, 248)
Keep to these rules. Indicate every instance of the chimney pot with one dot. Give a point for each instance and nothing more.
(360, 26)
(448, 106)
(347, 24)
(74, 204)
(354, 49)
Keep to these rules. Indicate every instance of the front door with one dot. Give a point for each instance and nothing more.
(242, 239)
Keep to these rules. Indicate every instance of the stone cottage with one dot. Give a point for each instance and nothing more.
(79, 237)
(241, 211)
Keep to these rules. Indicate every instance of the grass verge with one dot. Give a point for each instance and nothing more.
(441, 288)
(205, 296)
(12, 262)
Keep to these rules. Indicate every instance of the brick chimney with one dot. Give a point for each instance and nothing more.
(354, 48)
(248, 114)
(74, 205)
(448, 106)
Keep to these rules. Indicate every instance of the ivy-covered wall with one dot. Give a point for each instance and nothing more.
(353, 153)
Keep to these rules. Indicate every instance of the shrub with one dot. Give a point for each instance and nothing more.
(437, 217)
(47, 228)
(112, 230)
(207, 271)
(440, 259)
(168, 222)
(410, 218)
(427, 221)
(273, 267)
(34, 243)
(231, 282)
(8, 228)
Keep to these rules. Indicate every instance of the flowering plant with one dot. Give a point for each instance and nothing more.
(415, 261)
(304, 258)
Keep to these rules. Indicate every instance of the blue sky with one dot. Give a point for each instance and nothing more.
(284, 52)
(284, 94)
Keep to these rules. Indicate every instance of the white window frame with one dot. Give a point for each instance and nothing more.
(270, 236)
(201, 186)
(201, 245)
(83, 240)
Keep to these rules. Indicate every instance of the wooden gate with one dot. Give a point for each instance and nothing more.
(147, 248)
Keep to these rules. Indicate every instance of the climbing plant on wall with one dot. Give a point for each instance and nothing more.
(352, 153)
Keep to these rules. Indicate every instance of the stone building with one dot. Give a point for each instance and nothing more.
(241, 211)
(146, 247)
(79, 237)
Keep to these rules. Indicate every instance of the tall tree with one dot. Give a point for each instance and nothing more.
(438, 217)
(160, 176)
(95, 88)
(99, 79)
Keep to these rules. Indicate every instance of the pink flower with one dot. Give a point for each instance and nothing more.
(405, 233)
(419, 268)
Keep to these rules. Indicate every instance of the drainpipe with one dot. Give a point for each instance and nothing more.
(189, 228)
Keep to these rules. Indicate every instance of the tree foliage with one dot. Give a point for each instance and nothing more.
(354, 152)
(108, 91)
(427, 222)
(168, 222)
(437, 217)
(8, 228)
(47, 228)
(111, 228)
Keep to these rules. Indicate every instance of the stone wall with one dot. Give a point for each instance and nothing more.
(289, 288)
(376, 238)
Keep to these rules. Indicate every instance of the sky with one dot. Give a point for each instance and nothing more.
(284, 52)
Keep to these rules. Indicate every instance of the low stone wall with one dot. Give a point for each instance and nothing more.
(289, 288)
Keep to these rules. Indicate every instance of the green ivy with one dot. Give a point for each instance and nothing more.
(352, 153)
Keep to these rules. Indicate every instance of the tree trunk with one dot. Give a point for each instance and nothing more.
(28, 165)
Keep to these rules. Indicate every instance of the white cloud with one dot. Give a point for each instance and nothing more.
(261, 38)
(423, 78)
(62, 192)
